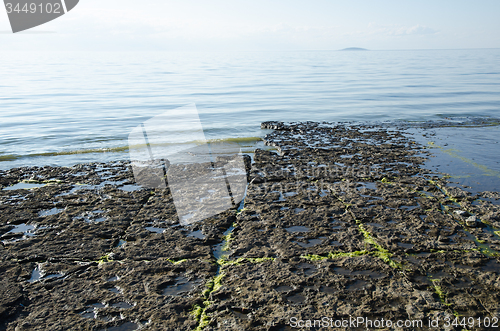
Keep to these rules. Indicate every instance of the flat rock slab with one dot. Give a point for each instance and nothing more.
(271, 294)
(98, 296)
(339, 221)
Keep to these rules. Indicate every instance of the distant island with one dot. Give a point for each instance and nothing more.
(354, 49)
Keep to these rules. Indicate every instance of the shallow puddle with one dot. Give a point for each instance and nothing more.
(240, 315)
(367, 185)
(297, 228)
(15, 199)
(357, 285)
(129, 326)
(78, 188)
(423, 255)
(309, 269)
(327, 289)
(310, 243)
(324, 193)
(182, 286)
(297, 298)
(27, 229)
(405, 245)
(464, 284)
(371, 198)
(218, 250)
(50, 212)
(283, 288)
(422, 280)
(23, 186)
(130, 188)
(196, 234)
(375, 225)
(36, 275)
(91, 217)
(154, 229)
(91, 311)
(115, 290)
(414, 260)
(121, 242)
(21, 232)
(439, 275)
(492, 266)
(370, 273)
(52, 276)
(407, 208)
(122, 305)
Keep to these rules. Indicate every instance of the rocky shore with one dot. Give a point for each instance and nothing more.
(341, 221)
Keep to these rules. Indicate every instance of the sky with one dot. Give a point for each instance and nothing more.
(262, 25)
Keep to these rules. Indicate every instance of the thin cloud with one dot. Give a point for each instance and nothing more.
(398, 30)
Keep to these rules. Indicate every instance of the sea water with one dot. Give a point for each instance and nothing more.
(67, 108)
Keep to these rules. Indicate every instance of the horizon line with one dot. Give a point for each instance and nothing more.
(268, 50)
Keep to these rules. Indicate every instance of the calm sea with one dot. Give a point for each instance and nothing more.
(67, 108)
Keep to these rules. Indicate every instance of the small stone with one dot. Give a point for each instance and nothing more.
(471, 221)
(460, 212)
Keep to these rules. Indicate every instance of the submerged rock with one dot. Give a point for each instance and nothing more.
(472, 221)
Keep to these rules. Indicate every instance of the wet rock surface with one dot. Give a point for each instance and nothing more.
(341, 221)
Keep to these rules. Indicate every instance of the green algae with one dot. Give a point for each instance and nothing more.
(453, 153)
(241, 211)
(386, 181)
(334, 255)
(260, 259)
(200, 315)
(439, 291)
(105, 258)
(176, 262)
(227, 238)
(380, 252)
(223, 261)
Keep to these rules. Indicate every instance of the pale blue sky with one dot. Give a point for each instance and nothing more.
(263, 25)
